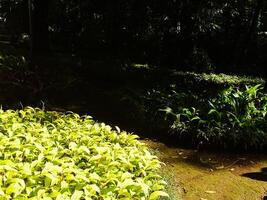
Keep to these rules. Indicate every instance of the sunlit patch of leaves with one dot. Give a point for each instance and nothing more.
(51, 155)
(219, 78)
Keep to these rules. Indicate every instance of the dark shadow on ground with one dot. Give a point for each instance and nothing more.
(260, 176)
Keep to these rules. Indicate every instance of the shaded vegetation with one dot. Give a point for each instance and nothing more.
(236, 119)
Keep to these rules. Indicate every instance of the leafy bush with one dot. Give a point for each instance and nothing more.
(16, 77)
(13, 67)
(236, 119)
(50, 155)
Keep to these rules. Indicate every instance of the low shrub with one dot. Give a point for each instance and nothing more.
(16, 78)
(236, 119)
(51, 155)
(13, 68)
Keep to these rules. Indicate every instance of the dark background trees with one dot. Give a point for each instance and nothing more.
(225, 36)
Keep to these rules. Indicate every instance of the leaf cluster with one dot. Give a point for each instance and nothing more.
(235, 119)
(51, 155)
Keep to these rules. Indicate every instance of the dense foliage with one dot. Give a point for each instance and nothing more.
(235, 119)
(177, 89)
(157, 110)
(50, 155)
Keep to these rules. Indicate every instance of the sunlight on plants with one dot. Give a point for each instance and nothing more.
(51, 155)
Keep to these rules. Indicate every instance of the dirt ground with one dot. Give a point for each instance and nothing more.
(194, 175)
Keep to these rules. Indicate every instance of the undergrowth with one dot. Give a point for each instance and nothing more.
(236, 119)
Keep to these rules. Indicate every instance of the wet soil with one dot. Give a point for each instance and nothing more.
(195, 175)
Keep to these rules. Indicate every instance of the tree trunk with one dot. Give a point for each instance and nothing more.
(112, 27)
(40, 27)
(255, 19)
(244, 43)
(187, 26)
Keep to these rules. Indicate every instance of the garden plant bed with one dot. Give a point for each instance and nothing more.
(52, 155)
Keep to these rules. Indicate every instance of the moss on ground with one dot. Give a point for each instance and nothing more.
(197, 175)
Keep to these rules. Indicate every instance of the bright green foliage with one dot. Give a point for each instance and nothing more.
(50, 155)
(235, 119)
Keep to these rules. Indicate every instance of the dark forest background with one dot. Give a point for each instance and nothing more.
(222, 36)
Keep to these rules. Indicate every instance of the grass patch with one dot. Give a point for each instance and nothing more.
(51, 155)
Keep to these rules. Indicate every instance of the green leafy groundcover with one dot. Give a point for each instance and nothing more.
(51, 155)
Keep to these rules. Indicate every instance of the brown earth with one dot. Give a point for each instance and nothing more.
(194, 175)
